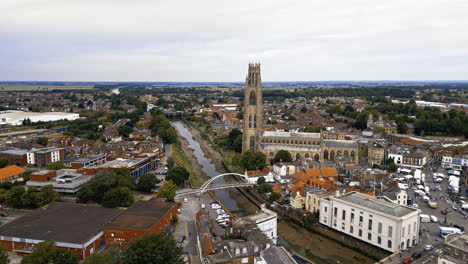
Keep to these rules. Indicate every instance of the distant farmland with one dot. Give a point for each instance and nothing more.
(44, 87)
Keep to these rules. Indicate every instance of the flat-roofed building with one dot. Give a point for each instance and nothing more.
(65, 181)
(16, 118)
(87, 161)
(43, 157)
(265, 221)
(137, 166)
(455, 250)
(384, 224)
(74, 227)
(142, 218)
(15, 156)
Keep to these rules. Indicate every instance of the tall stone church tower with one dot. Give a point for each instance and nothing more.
(253, 110)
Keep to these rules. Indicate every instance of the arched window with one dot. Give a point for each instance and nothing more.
(252, 143)
(317, 157)
(346, 153)
(325, 154)
(252, 98)
(306, 155)
(298, 156)
(338, 153)
(352, 154)
(255, 121)
(332, 155)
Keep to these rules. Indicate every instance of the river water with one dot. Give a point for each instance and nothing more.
(223, 195)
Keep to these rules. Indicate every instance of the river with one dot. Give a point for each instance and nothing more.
(223, 195)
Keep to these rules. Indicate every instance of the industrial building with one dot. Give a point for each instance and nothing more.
(16, 118)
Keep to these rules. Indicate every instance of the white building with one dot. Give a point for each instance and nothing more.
(378, 222)
(16, 118)
(253, 176)
(283, 170)
(44, 156)
(266, 221)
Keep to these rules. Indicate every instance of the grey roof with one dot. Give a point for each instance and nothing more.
(277, 255)
(89, 158)
(291, 134)
(14, 151)
(340, 143)
(61, 222)
(377, 204)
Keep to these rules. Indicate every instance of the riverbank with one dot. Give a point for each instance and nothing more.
(183, 155)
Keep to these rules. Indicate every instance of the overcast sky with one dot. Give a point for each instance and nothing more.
(214, 40)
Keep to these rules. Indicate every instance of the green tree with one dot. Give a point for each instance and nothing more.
(264, 188)
(111, 256)
(4, 259)
(392, 167)
(167, 190)
(124, 130)
(292, 118)
(253, 160)
(120, 196)
(232, 136)
(153, 249)
(222, 140)
(31, 198)
(304, 109)
(4, 162)
(146, 182)
(42, 141)
(170, 162)
(56, 166)
(178, 175)
(382, 130)
(402, 127)
(282, 156)
(237, 145)
(14, 196)
(47, 253)
(47, 194)
(3, 195)
(274, 196)
(261, 180)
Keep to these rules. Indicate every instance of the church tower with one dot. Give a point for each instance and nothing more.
(253, 109)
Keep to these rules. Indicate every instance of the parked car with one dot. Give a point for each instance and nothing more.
(406, 261)
(185, 200)
(428, 247)
(181, 239)
(459, 227)
(443, 212)
(4, 214)
(433, 218)
(416, 256)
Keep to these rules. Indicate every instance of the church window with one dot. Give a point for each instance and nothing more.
(253, 98)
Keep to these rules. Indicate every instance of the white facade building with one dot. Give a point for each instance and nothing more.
(266, 221)
(378, 222)
(16, 118)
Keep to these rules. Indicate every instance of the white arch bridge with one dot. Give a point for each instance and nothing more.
(208, 187)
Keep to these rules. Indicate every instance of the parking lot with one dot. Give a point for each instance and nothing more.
(430, 234)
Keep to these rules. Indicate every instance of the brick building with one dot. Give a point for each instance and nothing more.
(142, 218)
(74, 227)
(11, 173)
(45, 156)
(15, 156)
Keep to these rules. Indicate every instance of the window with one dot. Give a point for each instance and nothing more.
(390, 231)
(369, 236)
(343, 215)
(379, 240)
(361, 219)
(352, 218)
(343, 226)
(360, 232)
(334, 222)
(335, 213)
(245, 260)
(414, 227)
(403, 233)
(351, 229)
(325, 209)
(380, 228)
(409, 229)
(389, 244)
(370, 224)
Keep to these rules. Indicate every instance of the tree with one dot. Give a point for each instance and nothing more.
(30, 198)
(261, 180)
(178, 175)
(360, 124)
(382, 130)
(14, 196)
(3, 195)
(232, 136)
(402, 127)
(304, 109)
(3, 256)
(120, 196)
(47, 253)
(4, 162)
(111, 256)
(253, 160)
(274, 196)
(153, 249)
(146, 182)
(56, 166)
(170, 162)
(282, 156)
(167, 190)
(237, 145)
(47, 194)
(392, 167)
(264, 188)
(124, 130)
(42, 141)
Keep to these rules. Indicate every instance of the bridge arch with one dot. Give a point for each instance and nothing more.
(208, 182)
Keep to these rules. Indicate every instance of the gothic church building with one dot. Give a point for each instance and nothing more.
(299, 144)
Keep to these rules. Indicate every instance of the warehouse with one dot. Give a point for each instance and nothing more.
(16, 118)
(75, 227)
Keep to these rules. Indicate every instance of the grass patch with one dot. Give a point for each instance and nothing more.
(231, 161)
(181, 160)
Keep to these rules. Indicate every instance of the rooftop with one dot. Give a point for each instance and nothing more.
(377, 204)
(142, 215)
(10, 171)
(291, 134)
(459, 241)
(276, 255)
(14, 151)
(121, 163)
(340, 143)
(88, 158)
(61, 222)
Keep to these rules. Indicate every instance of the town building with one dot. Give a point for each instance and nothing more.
(389, 125)
(381, 223)
(312, 199)
(455, 250)
(43, 157)
(87, 161)
(74, 227)
(64, 181)
(11, 173)
(16, 118)
(142, 218)
(275, 255)
(137, 166)
(254, 175)
(15, 156)
(265, 221)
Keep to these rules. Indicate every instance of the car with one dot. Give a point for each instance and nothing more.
(428, 247)
(416, 256)
(433, 218)
(4, 214)
(178, 211)
(459, 227)
(203, 206)
(415, 205)
(406, 261)
(443, 212)
(462, 198)
(185, 200)
(181, 239)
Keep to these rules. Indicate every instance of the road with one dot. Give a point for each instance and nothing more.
(430, 231)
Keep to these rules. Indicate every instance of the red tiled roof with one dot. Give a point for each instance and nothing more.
(10, 171)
